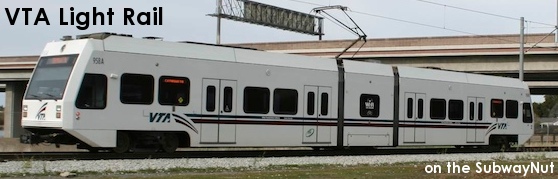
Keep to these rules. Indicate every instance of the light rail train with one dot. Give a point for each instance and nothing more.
(112, 91)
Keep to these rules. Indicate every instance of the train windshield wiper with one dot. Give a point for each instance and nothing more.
(49, 95)
(36, 97)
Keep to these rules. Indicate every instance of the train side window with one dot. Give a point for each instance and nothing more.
(420, 108)
(227, 99)
(285, 101)
(409, 108)
(136, 88)
(527, 115)
(480, 112)
(471, 111)
(210, 99)
(455, 109)
(324, 105)
(256, 100)
(497, 108)
(512, 109)
(369, 105)
(174, 91)
(92, 92)
(437, 109)
(310, 103)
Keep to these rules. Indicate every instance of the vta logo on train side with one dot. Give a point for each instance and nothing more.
(155, 117)
(500, 126)
(159, 117)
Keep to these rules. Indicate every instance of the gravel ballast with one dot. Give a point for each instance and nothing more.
(104, 166)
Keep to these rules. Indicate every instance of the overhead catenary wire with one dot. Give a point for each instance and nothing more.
(340, 23)
(432, 26)
(485, 13)
(449, 29)
(555, 27)
(535, 45)
(411, 22)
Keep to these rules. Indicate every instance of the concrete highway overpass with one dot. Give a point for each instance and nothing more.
(493, 54)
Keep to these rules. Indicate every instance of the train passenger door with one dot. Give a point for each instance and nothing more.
(218, 111)
(414, 113)
(317, 105)
(476, 112)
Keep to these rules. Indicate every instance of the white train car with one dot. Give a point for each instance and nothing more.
(450, 108)
(106, 91)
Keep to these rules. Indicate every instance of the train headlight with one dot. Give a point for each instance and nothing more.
(24, 113)
(58, 111)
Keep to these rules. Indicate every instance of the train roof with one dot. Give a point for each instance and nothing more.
(459, 77)
(368, 68)
(127, 44)
(216, 53)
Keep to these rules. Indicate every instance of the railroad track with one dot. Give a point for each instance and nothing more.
(51, 156)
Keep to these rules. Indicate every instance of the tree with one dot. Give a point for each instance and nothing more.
(548, 108)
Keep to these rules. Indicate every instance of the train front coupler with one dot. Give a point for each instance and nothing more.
(30, 138)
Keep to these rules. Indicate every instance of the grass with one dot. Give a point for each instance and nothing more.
(399, 170)
(403, 170)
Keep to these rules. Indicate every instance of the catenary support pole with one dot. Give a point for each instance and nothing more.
(521, 47)
(219, 9)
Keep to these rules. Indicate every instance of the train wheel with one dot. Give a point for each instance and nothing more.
(170, 142)
(123, 142)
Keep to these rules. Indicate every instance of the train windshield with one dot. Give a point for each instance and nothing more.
(50, 77)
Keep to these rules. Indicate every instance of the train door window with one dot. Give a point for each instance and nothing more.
(310, 103)
(527, 115)
(437, 109)
(480, 112)
(471, 111)
(285, 101)
(420, 108)
(512, 109)
(369, 105)
(92, 92)
(256, 100)
(227, 99)
(455, 109)
(210, 99)
(324, 104)
(174, 91)
(409, 108)
(497, 108)
(136, 88)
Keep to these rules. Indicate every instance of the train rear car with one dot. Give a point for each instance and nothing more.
(440, 107)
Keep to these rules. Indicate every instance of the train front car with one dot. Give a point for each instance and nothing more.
(49, 101)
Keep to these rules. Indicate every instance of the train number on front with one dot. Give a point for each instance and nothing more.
(98, 61)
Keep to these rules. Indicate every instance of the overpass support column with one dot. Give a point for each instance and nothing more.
(12, 110)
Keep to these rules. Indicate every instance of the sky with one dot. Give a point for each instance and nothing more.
(187, 20)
